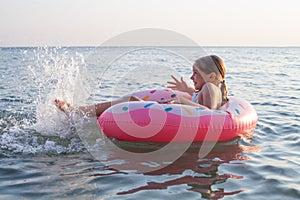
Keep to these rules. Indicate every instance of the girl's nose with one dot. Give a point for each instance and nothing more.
(192, 77)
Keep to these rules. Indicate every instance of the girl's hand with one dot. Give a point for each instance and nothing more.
(180, 85)
(167, 101)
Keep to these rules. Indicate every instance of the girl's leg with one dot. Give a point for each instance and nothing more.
(101, 107)
(95, 109)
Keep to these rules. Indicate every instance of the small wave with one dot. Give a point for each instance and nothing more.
(12, 99)
(17, 141)
(268, 104)
(281, 74)
(19, 136)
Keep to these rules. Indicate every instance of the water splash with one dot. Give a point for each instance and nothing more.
(58, 74)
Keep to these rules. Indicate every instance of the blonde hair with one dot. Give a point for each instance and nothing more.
(213, 63)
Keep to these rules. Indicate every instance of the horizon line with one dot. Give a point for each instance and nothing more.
(114, 46)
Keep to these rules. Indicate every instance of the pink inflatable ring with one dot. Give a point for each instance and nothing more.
(150, 121)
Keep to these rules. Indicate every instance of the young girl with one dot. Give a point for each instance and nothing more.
(209, 90)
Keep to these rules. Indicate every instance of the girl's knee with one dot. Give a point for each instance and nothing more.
(135, 98)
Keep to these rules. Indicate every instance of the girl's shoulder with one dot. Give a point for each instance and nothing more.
(210, 89)
(210, 96)
(210, 86)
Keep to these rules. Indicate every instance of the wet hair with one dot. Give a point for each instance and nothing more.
(213, 63)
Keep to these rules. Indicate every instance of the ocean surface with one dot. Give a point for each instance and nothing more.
(43, 155)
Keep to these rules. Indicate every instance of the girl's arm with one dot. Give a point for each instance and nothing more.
(208, 98)
(183, 101)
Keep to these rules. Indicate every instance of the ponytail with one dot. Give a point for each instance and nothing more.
(222, 70)
(224, 92)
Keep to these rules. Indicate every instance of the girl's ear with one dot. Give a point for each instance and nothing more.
(212, 76)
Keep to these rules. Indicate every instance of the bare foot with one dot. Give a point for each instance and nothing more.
(62, 105)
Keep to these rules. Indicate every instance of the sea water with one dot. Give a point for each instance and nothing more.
(45, 155)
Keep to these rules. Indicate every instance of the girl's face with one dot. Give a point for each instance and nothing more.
(199, 78)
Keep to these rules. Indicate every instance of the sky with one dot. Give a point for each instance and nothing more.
(93, 22)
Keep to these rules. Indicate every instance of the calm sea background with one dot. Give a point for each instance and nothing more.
(42, 155)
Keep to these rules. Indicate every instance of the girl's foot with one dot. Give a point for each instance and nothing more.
(63, 106)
